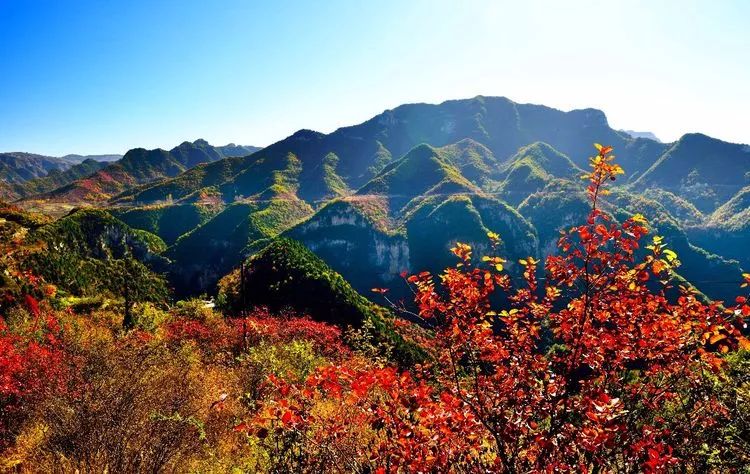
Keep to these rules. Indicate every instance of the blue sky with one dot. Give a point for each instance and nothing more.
(90, 76)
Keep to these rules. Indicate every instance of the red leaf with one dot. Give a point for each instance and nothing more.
(241, 428)
(32, 304)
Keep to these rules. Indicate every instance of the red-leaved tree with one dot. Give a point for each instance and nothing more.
(606, 367)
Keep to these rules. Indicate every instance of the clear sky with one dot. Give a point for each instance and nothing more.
(84, 76)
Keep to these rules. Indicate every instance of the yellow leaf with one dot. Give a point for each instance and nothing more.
(671, 256)
(598, 147)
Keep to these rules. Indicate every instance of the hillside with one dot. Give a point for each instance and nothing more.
(6, 192)
(166, 221)
(18, 167)
(94, 232)
(423, 171)
(285, 275)
(727, 230)
(231, 150)
(139, 166)
(86, 253)
(705, 171)
(209, 251)
(75, 158)
(409, 215)
(355, 233)
(561, 203)
(405, 218)
(397, 191)
(531, 169)
(55, 178)
(489, 130)
(202, 177)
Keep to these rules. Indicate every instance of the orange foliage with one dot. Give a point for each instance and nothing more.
(599, 368)
(596, 362)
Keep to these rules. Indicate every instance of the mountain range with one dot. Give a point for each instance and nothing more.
(23, 174)
(93, 178)
(395, 192)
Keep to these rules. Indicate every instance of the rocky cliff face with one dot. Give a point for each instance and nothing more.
(97, 234)
(351, 244)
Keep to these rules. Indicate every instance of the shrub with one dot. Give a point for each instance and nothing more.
(597, 369)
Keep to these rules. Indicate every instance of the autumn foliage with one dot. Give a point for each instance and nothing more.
(596, 360)
(605, 366)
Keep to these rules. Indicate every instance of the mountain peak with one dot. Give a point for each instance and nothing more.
(188, 144)
(469, 143)
(694, 138)
(420, 151)
(591, 116)
(135, 151)
(539, 146)
(648, 135)
(306, 134)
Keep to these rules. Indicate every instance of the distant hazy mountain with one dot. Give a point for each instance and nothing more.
(140, 166)
(232, 150)
(17, 167)
(81, 158)
(635, 134)
(24, 174)
(54, 179)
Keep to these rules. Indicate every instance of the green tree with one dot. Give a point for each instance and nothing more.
(136, 283)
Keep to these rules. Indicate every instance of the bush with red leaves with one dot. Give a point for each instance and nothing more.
(32, 366)
(261, 325)
(597, 370)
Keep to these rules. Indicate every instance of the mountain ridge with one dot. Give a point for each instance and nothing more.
(140, 166)
(396, 191)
